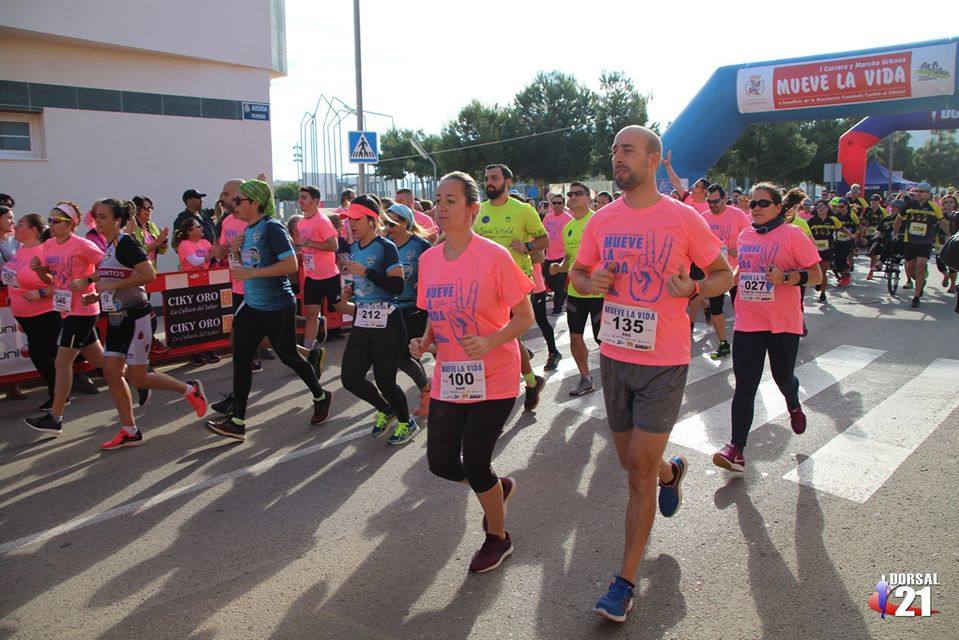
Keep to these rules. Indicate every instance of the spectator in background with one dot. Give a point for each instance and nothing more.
(8, 249)
(193, 201)
(345, 199)
(6, 200)
(142, 227)
(195, 253)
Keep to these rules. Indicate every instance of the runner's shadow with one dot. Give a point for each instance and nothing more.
(781, 598)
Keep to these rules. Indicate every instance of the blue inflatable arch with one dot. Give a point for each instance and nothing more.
(720, 112)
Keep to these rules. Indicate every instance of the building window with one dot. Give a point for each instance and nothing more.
(20, 136)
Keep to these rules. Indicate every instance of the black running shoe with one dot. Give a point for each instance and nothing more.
(143, 396)
(316, 357)
(224, 405)
(83, 384)
(321, 408)
(552, 361)
(532, 395)
(321, 330)
(226, 427)
(46, 424)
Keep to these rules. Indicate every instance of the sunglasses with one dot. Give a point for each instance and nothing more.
(54, 220)
(572, 194)
(237, 200)
(921, 191)
(393, 223)
(760, 203)
(558, 203)
(716, 201)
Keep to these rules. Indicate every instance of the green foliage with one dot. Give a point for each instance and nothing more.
(937, 161)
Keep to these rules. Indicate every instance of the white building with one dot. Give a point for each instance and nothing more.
(135, 97)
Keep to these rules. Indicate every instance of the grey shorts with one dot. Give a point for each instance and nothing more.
(642, 397)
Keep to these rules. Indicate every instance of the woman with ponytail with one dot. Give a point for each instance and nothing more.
(775, 260)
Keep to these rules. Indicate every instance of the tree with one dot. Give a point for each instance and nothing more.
(395, 144)
(476, 123)
(552, 101)
(903, 156)
(617, 105)
(824, 134)
(286, 191)
(767, 151)
(937, 161)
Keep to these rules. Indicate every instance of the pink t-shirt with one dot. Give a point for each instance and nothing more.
(318, 228)
(539, 284)
(74, 259)
(701, 207)
(189, 249)
(760, 305)
(27, 280)
(644, 248)
(229, 229)
(425, 221)
(473, 295)
(727, 226)
(554, 229)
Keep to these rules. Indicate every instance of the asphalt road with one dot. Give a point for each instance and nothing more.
(322, 532)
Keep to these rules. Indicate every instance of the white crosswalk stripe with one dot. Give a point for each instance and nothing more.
(708, 431)
(858, 461)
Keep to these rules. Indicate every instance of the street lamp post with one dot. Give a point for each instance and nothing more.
(359, 86)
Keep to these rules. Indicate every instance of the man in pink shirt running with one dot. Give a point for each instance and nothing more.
(636, 252)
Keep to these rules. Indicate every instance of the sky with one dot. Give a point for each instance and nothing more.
(423, 60)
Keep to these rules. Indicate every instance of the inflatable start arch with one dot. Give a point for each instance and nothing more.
(909, 78)
(854, 145)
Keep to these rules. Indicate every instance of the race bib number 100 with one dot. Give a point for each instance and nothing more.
(373, 315)
(628, 327)
(755, 287)
(464, 380)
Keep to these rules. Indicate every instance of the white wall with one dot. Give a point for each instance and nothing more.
(94, 154)
(232, 31)
(33, 59)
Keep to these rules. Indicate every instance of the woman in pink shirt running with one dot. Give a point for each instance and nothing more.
(775, 260)
(477, 300)
(31, 300)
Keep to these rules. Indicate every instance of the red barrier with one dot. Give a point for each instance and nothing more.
(165, 282)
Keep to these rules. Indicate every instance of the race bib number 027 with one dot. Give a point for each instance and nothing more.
(755, 287)
(628, 327)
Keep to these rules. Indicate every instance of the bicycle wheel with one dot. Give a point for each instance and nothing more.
(892, 277)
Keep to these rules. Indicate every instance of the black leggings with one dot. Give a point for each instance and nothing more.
(749, 359)
(250, 326)
(461, 439)
(841, 256)
(381, 349)
(415, 321)
(542, 319)
(557, 283)
(42, 332)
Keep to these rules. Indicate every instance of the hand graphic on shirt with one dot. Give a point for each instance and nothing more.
(769, 253)
(646, 272)
(462, 312)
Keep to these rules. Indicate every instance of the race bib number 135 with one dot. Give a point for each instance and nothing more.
(628, 327)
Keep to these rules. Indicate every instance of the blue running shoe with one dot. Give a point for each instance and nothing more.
(617, 603)
(671, 495)
(404, 432)
(383, 422)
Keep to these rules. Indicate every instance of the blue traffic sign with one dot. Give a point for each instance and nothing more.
(256, 111)
(364, 147)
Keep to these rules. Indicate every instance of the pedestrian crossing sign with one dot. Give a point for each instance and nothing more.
(364, 147)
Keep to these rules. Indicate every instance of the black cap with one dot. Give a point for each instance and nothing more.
(192, 193)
